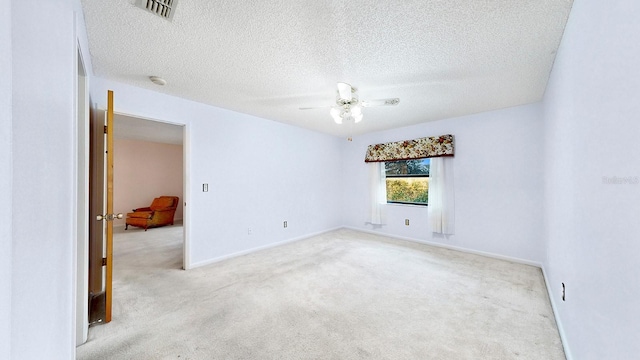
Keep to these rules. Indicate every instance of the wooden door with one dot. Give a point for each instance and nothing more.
(109, 217)
(101, 204)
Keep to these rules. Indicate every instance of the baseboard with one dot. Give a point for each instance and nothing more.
(450, 247)
(259, 248)
(563, 338)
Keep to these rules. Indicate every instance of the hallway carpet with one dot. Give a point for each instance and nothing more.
(340, 295)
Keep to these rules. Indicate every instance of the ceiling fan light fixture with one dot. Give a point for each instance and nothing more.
(346, 113)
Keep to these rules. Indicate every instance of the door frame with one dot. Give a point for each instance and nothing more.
(82, 213)
(82, 256)
(81, 196)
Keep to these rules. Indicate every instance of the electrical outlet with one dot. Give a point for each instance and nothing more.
(406, 222)
(285, 224)
(205, 187)
(249, 231)
(563, 292)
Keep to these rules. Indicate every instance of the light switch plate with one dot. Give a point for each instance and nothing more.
(205, 187)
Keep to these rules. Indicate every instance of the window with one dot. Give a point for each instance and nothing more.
(407, 181)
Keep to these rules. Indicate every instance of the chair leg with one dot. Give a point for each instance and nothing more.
(126, 226)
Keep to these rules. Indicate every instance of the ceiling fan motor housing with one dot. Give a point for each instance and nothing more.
(342, 102)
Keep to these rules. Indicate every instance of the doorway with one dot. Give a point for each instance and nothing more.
(133, 129)
(149, 162)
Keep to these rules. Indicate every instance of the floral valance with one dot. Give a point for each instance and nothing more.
(425, 147)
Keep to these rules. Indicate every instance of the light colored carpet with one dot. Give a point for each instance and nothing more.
(340, 295)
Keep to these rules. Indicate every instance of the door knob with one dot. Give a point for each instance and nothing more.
(109, 217)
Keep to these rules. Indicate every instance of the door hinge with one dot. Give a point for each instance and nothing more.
(105, 129)
(104, 261)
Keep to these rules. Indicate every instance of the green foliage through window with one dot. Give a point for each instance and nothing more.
(408, 181)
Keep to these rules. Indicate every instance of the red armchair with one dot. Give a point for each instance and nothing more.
(160, 213)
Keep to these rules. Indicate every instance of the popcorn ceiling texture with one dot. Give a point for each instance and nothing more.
(268, 58)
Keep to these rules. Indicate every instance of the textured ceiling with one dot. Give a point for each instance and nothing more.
(267, 58)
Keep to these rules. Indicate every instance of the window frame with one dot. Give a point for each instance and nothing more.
(386, 176)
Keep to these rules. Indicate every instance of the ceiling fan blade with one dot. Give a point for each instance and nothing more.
(315, 107)
(380, 102)
(344, 91)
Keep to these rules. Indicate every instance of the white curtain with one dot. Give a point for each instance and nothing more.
(378, 191)
(441, 199)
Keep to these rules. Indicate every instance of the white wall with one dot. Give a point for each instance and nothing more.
(592, 130)
(144, 170)
(498, 183)
(43, 272)
(260, 173)
(5, 179)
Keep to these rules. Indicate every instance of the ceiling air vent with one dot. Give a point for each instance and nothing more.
(163, 8)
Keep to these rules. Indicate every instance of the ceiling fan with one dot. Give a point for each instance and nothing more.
(349, 107)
